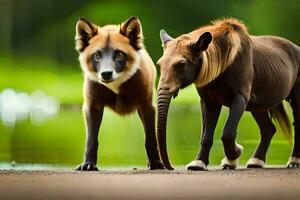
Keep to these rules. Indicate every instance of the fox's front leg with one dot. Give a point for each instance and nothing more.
(147, 115)
(93, 117)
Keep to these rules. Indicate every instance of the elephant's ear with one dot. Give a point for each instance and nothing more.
(165, 37)
(202, 43)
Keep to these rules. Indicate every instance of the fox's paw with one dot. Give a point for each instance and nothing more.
(155, 164)
(87, 166)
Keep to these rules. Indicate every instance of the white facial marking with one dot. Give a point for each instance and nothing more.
(117, 78)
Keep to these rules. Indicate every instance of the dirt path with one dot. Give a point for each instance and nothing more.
(140, 184)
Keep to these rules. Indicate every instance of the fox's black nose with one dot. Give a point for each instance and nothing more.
(106, 75)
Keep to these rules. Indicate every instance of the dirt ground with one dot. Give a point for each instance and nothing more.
(141, 184)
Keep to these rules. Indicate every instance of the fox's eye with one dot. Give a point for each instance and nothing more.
(96, 56)
(119, 54)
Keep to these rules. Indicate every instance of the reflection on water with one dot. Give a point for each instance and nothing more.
(39, 167)
(16, 106)
(60, 140)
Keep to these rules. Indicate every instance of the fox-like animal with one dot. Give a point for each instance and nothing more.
(118, 74)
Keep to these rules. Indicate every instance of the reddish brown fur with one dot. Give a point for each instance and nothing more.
(134, 92)
(131, 91)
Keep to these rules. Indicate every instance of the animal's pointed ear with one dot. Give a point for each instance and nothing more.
(132, 29)
(85, 30)
(202, 43)
(164, 37)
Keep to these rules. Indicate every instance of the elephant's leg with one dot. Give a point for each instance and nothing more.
(231, 148)
(267, 130)
(210, 115)
(294, 161)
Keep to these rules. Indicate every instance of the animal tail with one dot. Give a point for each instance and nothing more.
(279, 116)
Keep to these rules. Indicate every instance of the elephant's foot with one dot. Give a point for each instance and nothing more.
(232, 164)
(255, 163)
(294, 162)
(196, 165)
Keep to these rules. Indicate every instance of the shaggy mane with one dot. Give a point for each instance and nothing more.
(228, 35)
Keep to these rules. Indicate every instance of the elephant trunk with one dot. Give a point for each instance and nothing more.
(163, 103)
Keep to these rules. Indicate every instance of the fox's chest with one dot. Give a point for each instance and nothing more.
(121, 104)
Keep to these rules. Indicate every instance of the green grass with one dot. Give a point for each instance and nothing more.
(58, 80)
(44, 75)
(187, 96)
(60, 140)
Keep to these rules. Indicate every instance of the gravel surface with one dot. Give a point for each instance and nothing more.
(142, 184)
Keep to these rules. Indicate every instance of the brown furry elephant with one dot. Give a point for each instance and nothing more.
(231, 68)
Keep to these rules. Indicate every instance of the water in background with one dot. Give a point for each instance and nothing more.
(59, 141)
(18, 106)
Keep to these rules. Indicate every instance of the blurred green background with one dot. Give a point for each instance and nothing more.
(37, 53)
